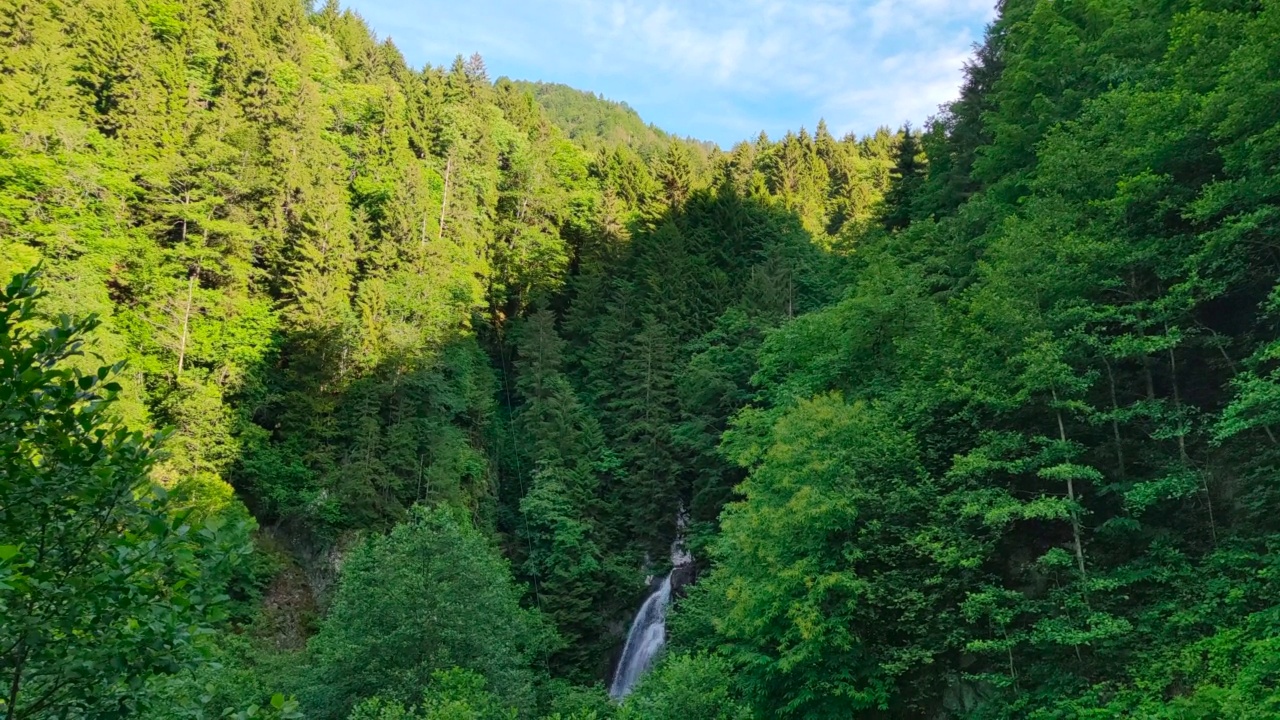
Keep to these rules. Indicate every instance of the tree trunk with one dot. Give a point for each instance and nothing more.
(1071, 494)
(186, 320)
(444, 202)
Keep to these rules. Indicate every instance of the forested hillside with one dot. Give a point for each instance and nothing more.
(410, 379)
(592, 120)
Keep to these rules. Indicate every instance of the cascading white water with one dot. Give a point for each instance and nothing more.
(645, 639)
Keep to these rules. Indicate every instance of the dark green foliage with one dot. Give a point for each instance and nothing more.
(908, 175)
(430, 596)
(649, 335)
(566, 468)
(1067, 342)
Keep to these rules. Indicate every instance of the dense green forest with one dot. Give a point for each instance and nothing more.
(333, 388)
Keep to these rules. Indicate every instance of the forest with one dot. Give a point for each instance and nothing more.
(335, 388)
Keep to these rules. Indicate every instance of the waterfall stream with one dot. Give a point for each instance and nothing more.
(645, 639)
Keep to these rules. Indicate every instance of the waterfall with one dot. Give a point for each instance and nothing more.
(645, 639)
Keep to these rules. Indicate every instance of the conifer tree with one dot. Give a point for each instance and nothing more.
(908, 174)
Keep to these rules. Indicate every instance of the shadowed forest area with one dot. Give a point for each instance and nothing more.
(335, 388)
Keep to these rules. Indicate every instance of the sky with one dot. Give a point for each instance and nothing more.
(719, 70)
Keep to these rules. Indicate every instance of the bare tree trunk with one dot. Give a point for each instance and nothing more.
(444, 202)
(186, 320)
(1071, 494)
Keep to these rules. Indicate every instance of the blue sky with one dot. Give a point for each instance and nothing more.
(720, 70)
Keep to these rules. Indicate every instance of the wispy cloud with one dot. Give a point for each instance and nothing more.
(718, 69)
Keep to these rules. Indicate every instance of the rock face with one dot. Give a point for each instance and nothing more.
(682, 576)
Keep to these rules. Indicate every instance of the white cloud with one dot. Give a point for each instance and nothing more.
(883, 98)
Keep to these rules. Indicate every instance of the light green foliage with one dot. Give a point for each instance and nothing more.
(687, 687)
(278, 223)
(453, 694)
(102, 582)
(578, 702)
(841, 533)
(279, 708)
(239, 674)
(458, 694)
